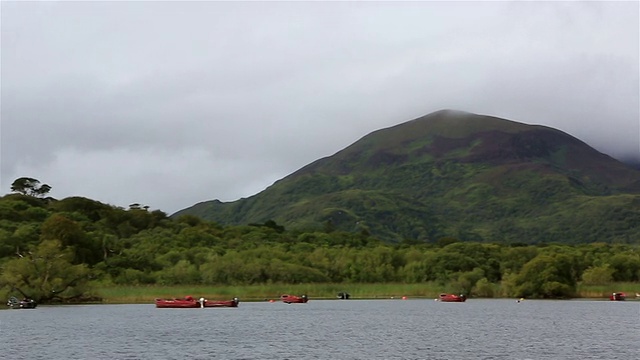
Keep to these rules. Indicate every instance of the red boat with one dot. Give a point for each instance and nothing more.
(189, 302)
(618, 296)
(292, 299)
(452, 298)
(222, 303)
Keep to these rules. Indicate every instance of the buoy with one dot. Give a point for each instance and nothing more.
(404, 298)
(271, 300)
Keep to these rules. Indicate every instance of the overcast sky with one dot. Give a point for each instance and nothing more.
(168, 104)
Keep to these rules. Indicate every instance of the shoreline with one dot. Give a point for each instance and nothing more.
(261, 293)
(311, 299)
(146, 294)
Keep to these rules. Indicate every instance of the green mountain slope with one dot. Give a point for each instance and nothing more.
(454, 174)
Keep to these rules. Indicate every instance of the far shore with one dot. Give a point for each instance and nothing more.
(146, 294)
(261, 293)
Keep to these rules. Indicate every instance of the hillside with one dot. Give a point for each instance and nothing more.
(454, 174)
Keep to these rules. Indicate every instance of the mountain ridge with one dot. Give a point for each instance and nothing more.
(448, 173)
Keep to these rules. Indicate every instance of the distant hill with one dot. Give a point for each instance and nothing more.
(454, 174)
(633, 163)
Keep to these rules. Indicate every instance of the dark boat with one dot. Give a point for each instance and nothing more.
(25, 303)
(293, 299)
(343, 295)
(618, 296)
(452, 298)
(189, 302)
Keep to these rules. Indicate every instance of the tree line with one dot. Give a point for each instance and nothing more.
(56, 250)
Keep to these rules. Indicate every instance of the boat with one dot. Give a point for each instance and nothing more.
(293, 299)
(451, 298)
(344, 295)
(189, 302)
(222, 303)
(618, 296)
(25, 303)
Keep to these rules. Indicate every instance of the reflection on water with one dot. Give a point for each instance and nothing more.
(329, 329)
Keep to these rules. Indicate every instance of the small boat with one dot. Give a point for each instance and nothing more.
(344, 295)
(222, 303)
(293, 299)
(189, 302)
(618, 296)
(25, 303)
(451, 298)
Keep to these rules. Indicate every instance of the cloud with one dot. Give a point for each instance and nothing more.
(169, 103)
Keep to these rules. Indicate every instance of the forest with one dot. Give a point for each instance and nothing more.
(59, 250)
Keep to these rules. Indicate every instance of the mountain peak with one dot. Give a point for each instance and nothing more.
(451, 173)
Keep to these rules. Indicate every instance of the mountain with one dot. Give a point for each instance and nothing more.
(454, 174)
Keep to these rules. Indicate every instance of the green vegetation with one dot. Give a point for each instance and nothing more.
(263, 292)
(453, 174)
(144, 294)
(81, 250)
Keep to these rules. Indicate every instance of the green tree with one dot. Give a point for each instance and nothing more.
(46, 274)
(70, 233)
(30, 186)
(546, 276)
(598, 275)
(483, 288)
(626, 267)
(465, 281)
(22, 237)
(182, 273)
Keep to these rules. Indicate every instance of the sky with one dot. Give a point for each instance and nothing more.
(167, 104)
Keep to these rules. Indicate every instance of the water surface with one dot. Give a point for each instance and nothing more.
(328, 329)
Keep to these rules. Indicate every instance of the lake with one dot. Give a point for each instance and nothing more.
(328, 329)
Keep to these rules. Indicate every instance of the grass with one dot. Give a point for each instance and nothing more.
(146, 294)
(603, 291)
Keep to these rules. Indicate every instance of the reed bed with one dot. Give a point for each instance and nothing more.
(603, 291)
(146, 294)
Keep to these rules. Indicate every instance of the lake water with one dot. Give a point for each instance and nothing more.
(328, 329)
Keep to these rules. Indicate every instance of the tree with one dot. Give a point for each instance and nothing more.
(30, 186)
(626, 267)
(42, 190)
(546, 276)
(46, 274)
(70, 233)
(598, 275)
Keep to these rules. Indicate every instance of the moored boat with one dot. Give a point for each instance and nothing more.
(293, 299)
(222, 303)
(189, 302)
(618, 296)
(25, 303)
(451, 298)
